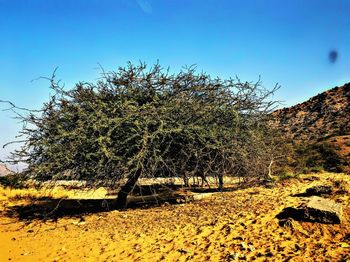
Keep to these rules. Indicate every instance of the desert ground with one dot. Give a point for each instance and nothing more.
(236, 225)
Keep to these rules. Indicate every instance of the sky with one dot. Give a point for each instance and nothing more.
(285, 42)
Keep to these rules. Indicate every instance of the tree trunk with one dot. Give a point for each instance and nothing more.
(204, 180)
(186, 180)
(269, 175)
(221, 183)
(126, 189)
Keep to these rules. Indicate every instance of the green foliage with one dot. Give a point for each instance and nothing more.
(12, 181)
(316, 157)
(150, 121)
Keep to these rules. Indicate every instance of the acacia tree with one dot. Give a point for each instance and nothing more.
(139, 122)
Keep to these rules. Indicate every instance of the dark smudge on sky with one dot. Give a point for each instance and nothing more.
(333, 56)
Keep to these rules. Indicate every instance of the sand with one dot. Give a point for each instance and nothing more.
(224, 227)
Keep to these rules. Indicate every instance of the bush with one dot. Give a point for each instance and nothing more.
(146, 123)
(316, 157)
(12, 181)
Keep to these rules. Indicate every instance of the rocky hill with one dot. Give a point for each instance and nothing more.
(323, 116)
(4, 171)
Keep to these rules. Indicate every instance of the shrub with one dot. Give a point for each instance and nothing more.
(316, 157)
(12, 181)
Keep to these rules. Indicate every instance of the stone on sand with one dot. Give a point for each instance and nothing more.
(319, 190)
(318, 209)
(323, 210)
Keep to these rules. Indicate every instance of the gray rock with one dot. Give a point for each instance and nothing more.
(318, 209)
(323, 210)
(316, 191)
(319, 190)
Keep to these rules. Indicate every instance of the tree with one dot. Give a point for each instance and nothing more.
(138, 122)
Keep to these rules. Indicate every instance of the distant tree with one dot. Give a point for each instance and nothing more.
(138, 122)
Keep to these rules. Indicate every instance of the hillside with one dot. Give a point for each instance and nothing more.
(4, 171)
(322, 116)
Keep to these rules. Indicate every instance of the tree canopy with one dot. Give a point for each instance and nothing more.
(146, 122)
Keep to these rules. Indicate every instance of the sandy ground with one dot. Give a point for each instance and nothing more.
(227, 226)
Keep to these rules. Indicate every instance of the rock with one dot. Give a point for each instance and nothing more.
(323, 210)
(319, 190)
(316, 191)
(290, 213)
(318, 209)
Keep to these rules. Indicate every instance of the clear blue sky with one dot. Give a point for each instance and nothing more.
(283, 41)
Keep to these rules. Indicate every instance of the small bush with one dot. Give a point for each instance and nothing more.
(12, 181)
(317, 157)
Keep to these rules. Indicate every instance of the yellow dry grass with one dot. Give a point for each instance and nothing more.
(224, 227)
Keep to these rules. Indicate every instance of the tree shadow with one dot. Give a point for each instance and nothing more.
(143, 197)
(297, 214)
(51, 208)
